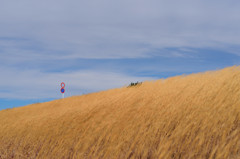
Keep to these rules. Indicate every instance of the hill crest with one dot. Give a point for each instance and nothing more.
(193, 116)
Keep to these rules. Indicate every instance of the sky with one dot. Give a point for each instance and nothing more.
(95, 45)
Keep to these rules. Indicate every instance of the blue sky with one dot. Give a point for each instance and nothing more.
(97, 45)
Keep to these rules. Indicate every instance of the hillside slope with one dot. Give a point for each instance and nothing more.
(195, 116)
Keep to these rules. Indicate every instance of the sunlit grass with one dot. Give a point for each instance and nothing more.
(195, 116)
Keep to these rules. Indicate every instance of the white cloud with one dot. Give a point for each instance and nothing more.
(120, 29)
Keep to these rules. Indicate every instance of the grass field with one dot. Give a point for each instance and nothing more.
(194, 116)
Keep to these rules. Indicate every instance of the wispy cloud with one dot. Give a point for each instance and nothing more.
(34, 84)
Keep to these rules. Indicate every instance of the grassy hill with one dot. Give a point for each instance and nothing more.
(195, 116)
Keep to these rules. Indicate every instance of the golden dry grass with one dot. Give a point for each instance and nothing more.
(195, 116)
